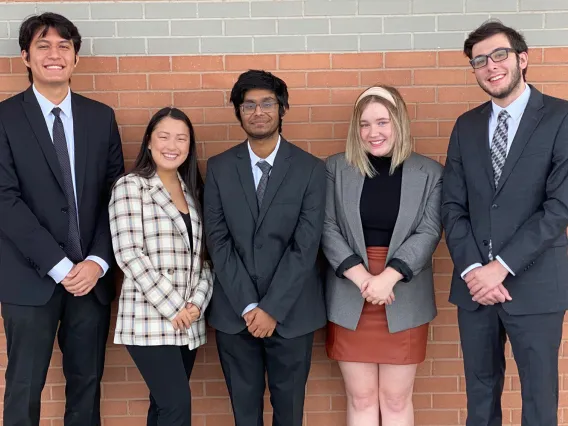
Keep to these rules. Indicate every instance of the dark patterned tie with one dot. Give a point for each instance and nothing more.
(499, 154)
(261, 188)
(499, 145)
(73, 246)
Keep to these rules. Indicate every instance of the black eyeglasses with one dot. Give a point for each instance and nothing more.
(265, 106)
(497, 55)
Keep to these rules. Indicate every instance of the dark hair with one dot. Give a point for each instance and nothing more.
(491, 28)
(145, 167)
(36, 23)
(258, 79)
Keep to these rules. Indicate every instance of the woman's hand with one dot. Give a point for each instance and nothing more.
(182, 320)
(379, 288)
(358, 275)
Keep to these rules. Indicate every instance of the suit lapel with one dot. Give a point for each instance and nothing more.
(162, 198)
(352, 186)
(37, 123)
(277, 175)
(480, 132)
(80, 137)
(411, 196)
(247, 181)
(529, 121)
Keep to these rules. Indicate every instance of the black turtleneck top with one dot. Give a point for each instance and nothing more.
(379, 204)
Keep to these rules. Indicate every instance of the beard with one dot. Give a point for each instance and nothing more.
(516, 78)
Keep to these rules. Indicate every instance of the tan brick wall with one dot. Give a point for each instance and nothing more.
(438, 86)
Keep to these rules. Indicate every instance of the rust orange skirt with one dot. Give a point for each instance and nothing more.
(371, 341)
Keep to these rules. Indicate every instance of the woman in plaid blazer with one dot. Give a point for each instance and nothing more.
(156, 226)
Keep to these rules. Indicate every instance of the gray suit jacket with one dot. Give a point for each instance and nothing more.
(415, 237)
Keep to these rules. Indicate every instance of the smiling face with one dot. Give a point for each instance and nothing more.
(51, 58)
(376, 130)
(501, 80)
(169, 144)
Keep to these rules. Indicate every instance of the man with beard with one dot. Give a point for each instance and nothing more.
(505, 212)
(263, 212)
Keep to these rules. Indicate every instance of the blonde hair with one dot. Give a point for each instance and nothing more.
(356, 150)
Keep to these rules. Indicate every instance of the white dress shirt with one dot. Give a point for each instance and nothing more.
(60, 271)
(257, 174)
(515, 110)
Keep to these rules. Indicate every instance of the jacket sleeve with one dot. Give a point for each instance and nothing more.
(455, 212)
(335, 248)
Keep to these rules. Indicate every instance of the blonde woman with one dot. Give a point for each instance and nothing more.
(381, 228)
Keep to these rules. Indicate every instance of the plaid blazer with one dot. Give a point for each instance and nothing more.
(161, 274)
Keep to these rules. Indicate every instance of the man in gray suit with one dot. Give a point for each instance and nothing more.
(263, 212)
(505, 212)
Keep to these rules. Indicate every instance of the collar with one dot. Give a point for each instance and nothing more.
(270, 159)
(517, 107)
(46, 105)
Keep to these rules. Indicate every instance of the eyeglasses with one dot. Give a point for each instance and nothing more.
(497, 55)
(250, 107)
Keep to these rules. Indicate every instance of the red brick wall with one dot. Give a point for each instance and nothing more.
(438, 86)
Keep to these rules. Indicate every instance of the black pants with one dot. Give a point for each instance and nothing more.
(245, 360)
(30, 333)
(535, 340)
(166, 371)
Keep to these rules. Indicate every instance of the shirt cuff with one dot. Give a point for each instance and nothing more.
(348, 263)
(60, 271)
(402, 268)
(475, 265)
(502, 262)
(100, 262)
(249, 308)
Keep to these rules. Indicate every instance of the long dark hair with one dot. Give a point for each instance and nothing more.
(145, 167)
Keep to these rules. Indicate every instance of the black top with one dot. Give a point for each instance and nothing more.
(380, 200)
(187, 220)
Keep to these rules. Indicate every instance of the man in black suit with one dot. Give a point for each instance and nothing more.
(59, 155)
(263, 212)
(505, 212)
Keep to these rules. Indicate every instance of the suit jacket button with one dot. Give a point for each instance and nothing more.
(485, 243)
(170, 271)
(61, 245)
(495, 206)
(64, 210)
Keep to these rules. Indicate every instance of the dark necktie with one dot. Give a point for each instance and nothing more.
(261, 188)
(499, 154)
(73, 246)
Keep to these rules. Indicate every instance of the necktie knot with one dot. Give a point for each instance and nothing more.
(56, 111)
(264, 166)
(503, 115)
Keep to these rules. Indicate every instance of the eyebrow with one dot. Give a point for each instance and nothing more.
(380, 118)
(268, 98)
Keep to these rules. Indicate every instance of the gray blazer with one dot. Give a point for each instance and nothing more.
(416, 234)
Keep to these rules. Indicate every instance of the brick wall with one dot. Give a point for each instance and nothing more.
(437, 86)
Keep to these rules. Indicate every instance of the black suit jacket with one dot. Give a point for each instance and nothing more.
(268, 256)
(33, 207)
(525, 217)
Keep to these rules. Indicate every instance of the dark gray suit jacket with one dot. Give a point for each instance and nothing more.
(525, 217)
(415, 236)
(268, 256)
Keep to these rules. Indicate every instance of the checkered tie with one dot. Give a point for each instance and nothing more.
(499, 154)
(73, 247)
(499, 145)
(261, 188)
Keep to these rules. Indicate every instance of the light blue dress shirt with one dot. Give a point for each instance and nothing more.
(515, 110)
(257, 174)
(60, 271)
